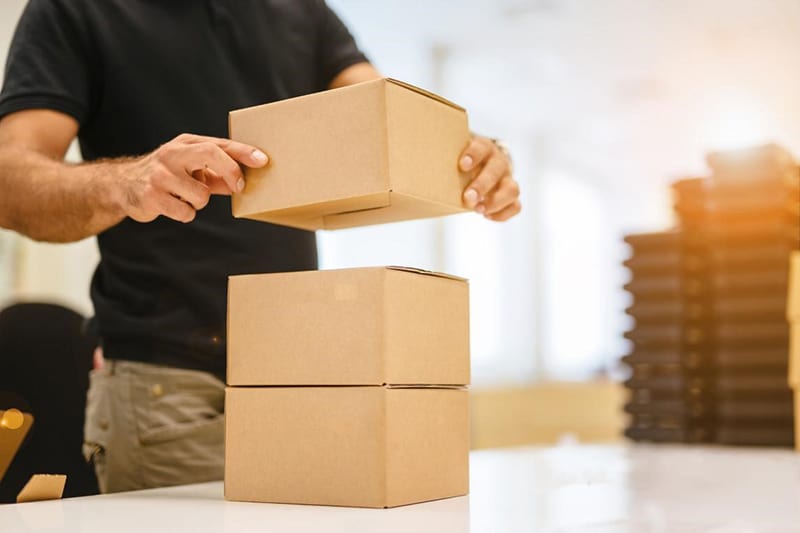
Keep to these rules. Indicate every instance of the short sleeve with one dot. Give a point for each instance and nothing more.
(337, 49)
(48, 63)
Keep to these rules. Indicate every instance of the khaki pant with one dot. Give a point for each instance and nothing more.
(153, 426)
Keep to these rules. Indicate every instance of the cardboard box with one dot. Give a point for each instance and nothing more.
(794, 354)
(362, 326)
(351, 446)
(768, 162)
(793, 302)
(793, 315)
(41, 487)
(375, 152)
(14, 427)
(796, 419)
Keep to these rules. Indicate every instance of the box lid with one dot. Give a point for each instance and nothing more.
(425, 93)
(424, 272)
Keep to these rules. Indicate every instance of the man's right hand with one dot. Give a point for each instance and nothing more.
(48, 200)
(177, 179)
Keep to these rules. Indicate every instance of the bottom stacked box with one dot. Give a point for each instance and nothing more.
(367, 446)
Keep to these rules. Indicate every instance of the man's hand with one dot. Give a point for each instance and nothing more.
(177, 179)
(493, 191)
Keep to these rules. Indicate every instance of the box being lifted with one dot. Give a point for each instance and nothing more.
(375, 152)
(358, 326)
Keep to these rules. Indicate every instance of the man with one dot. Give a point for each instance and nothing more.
(132, 77)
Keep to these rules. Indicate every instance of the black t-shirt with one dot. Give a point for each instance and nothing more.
(136, 73)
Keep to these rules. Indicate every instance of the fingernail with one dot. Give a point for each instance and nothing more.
(481, 209)
(240, 184)
(471, 197)
(466, 162)
(260, 156)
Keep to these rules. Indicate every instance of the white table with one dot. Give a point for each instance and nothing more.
(631, 489)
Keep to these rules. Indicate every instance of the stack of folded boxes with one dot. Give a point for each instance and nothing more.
(737, 229)
(348, 387)
(670, 361)
(793, 314)
(752, 223)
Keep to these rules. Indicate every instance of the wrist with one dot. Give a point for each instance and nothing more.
(107, 184)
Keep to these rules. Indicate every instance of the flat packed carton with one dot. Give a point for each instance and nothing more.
(361, 326)
(793, 314)
(375, 152)
(352, 446)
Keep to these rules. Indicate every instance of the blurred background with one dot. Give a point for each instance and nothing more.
(603, 104)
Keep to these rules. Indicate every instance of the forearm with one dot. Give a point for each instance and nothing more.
(50, 200)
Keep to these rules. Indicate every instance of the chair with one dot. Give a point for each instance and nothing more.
(45, 358)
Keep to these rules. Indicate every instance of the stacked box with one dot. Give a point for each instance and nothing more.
(752, 224)
(670, 359)
(347, 387)
(739, 226)
(793, 315)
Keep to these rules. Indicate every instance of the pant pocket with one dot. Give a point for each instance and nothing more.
(180, 426)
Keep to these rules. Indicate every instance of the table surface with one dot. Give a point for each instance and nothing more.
(614, 488)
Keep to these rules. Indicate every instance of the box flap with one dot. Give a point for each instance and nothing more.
(424, 272)
(42, 487)
(425, 93)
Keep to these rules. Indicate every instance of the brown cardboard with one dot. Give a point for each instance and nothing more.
(361, 326)
(797, 420)
(767, 162)
(794, 355)
(350, 446)
(375, 152)
(42, 487)
(793, 315)
(793, 302)
(14, 426)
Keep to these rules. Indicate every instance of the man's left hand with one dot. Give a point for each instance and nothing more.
(493, 192)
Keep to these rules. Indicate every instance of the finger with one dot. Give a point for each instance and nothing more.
(505, 194)
(508, 212)
(475, 153)
(176, 209)
(187, 189)
(243, 153)
(491, 174)
(212, 180)
(207, 155)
